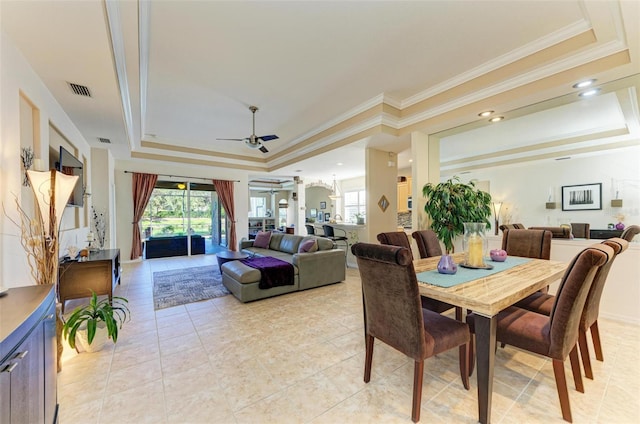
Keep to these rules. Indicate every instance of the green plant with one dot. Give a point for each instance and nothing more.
(113, 314)
(452, 203)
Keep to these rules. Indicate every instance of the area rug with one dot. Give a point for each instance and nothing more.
(187, 285)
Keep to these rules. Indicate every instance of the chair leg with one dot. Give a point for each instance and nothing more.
(417, 390)
(463, 358)
(595, 335)
(368, 358)
(575, 369)
(584, 354)
(561, 385)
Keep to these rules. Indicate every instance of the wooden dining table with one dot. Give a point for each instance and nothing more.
(486, 297)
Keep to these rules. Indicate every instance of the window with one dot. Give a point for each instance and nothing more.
(258, 206)
(355, 203)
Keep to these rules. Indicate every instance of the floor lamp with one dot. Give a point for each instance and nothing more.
(496, 212)
(52, 190)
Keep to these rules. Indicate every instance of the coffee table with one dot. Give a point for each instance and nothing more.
(228, 255)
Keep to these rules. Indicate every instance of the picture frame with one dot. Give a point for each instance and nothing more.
(323, 205)
(320, 217)
(313, 212)
(582, 197)
(327, 217)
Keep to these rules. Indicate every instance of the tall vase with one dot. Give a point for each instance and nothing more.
(474, 244)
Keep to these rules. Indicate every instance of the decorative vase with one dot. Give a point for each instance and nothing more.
(474, 244)
(446, 265)
(99, 340)
(619, 226)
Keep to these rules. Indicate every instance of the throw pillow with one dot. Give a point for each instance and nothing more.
(262, 239)
(308, 246)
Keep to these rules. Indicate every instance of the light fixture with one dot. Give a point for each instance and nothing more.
(496, 119)
(391, 163)
(410, 160)
(334, 190)
(583, 84)
(339, 163)
(496, 212)
(486, 113)
(589, 93)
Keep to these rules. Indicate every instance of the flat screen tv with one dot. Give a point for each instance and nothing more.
(70, 165)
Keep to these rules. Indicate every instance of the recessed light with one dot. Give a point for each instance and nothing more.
(339, 164)
(410, 160)
(298, 170)
(583, 84)
(496, 119)
(486, 113)
(589, 93)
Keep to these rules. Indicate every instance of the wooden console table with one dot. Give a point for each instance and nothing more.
(100, 273)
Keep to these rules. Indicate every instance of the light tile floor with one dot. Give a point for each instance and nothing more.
(299, 358)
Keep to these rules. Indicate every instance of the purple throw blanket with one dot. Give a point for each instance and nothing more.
(273, 271)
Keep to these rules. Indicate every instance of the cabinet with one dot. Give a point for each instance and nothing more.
(260, 224)
(27, 356)
(100, 273)
(404, 193)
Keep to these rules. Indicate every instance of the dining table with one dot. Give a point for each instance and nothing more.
(486, 296)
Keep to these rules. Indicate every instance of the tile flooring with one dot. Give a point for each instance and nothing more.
(299, 358)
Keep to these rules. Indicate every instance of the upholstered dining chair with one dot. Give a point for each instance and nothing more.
(527, 243)
(630, 232)
(580, 230)
(543, 304)
(394, 314)
(516, 226)
(400, 239)
(555, 336)
(428, 243)
(557, 232)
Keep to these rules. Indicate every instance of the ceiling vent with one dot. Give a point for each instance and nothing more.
(80, 90)
(104, 140)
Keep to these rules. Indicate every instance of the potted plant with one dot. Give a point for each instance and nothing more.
(359, 219)
(98, 321)
(450, 204)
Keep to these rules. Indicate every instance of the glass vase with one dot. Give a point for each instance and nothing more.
(475, 244)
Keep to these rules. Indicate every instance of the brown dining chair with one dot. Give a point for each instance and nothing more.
(543, 304)
(580, 230)
(630, 232)
(527, 243)
(400, 238)
(428, 243)
(555, 336)
(394, 314)
(516, 226)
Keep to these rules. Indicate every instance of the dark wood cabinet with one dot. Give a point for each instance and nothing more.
(27, 356)
(100, 273)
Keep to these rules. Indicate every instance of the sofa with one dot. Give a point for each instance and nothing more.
(311, 269)
(163, 247)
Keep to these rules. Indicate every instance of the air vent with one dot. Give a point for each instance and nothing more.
(564, 158)
(80, 90)
(104, 140)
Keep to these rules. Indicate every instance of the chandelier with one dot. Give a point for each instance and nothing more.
(334, 190)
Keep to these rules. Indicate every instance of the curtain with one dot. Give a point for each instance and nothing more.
(143, 185)
(225, 194)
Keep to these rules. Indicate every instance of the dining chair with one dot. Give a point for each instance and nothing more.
(543, 304)
(557, 232)
(428, 243)
(630, 232)
(580, 230)
(527, 243)
(555, 336)
(394, 314)
(400, 239)
(311, 230)
(516, 226)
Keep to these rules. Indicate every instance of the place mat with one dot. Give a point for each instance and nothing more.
(465, 275)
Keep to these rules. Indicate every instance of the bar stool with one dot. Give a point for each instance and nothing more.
(330, 234)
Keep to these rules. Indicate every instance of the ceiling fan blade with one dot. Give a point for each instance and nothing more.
(230, 139)
(263, 149)
(268, 137)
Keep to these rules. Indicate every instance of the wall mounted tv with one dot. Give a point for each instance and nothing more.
(70, 165)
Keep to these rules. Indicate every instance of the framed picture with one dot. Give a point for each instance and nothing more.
(320, 216)
(323, 205)
(582, 197)
(327, 217)
(313, 212)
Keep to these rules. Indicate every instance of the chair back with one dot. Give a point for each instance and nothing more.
(592, 305)
(580, 230)
(310, 229)
(395, 238)
(630, 232)
(557, 232)
(328, 230)
(571, 297)
(527, 243)
(393, 311)
(428, 243)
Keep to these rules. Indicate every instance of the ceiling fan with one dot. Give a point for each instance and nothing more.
(254, 141)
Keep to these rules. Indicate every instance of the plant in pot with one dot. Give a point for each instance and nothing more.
(450, 204)
(95, 323)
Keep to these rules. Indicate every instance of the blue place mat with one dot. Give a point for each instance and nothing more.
(465, 275)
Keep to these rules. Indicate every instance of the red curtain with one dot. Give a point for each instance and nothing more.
(143, 185)
(225, 194)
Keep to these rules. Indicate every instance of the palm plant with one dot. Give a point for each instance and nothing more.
(450, 204)
(113, 313)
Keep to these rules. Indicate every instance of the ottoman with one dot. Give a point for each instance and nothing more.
(243, 282)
